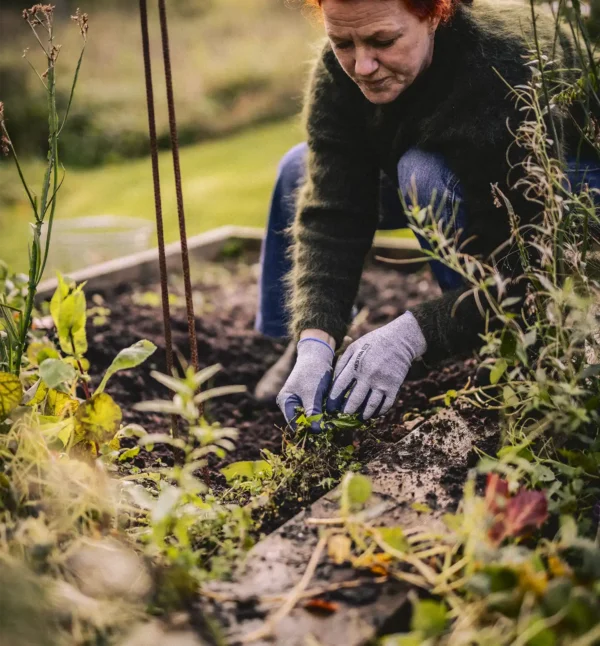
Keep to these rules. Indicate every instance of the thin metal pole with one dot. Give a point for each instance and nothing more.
(162, 260)
(185, 259)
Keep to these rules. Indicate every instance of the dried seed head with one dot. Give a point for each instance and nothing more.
(82, 21)
(4, 145)
(31, 15)
(54, 52)
(4, 140)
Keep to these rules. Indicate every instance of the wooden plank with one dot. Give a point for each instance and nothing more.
(427, 466)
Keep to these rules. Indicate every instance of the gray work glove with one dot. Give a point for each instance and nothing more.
(375, 366)
(307, 386)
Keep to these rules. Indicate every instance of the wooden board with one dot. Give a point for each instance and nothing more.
(427, 466)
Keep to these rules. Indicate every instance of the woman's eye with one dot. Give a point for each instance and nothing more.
(384, 43)
(342, 45)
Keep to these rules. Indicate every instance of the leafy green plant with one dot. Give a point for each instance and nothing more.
(16, 319)
(53, 375)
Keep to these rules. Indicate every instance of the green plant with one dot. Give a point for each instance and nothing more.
(48, 386)
(40, 19)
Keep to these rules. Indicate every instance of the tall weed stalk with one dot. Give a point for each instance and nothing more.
(16, 322)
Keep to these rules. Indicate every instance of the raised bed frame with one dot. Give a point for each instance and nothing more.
(142, 268)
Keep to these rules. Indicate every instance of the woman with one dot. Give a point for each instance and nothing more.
(405, 91)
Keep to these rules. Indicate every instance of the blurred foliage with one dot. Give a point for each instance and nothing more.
(225, 78)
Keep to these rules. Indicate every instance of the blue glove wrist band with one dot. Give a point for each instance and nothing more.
(312, 338)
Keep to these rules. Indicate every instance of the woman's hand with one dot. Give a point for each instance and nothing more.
(307, 386)
(374, 367)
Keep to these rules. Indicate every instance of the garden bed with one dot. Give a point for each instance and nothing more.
(225, 298)
(225, 310)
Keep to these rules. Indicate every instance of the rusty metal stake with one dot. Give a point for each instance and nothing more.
(185, 259)
(162, 259)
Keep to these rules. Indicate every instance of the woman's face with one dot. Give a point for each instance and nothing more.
(380, 44)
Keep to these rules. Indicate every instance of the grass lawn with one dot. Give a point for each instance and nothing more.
(228, 181)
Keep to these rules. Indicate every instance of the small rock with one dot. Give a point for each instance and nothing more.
(69, 601)
(106, 568)
(155, 634)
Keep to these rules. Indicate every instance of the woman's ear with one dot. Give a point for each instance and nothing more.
(434, 22)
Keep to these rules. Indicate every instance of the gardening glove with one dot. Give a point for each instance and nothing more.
(374, 367)
(307, 386)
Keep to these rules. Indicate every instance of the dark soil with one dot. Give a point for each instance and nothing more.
(225, 308)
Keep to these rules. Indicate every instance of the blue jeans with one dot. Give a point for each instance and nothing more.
(424, 171)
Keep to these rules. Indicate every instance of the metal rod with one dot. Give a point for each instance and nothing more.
(162, 260)
(177, 170)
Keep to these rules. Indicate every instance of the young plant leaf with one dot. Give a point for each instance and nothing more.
(394, 537)
(206, 374)
(222, 391)
(247, 470)
(68, 310)
(11, 393)
(127, 359)
(429, 617)
(55, 372)
(358, 489)
(497, 371)
(39, 351)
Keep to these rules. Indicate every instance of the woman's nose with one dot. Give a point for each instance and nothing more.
(365, 64)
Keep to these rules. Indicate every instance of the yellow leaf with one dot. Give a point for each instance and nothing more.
(97, 420)
(421, 507)
(115, 444)
(11, 393)
(536, 582)
(558, 568)
(66, 432)
(40, 394)
(60, 405)
(339, 548)
(368, 560)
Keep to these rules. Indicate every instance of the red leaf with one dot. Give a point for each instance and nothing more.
(321, 606)
(527, 510)
(496, 493)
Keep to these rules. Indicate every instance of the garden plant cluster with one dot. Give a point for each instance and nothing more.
(92, 547)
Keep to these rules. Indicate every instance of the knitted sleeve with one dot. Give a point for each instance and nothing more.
(337, 208)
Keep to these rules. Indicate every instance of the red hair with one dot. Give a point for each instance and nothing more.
(442, 9)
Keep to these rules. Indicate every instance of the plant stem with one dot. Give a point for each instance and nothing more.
(37, 260)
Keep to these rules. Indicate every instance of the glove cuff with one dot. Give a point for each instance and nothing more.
(412, 335)
(315, 347)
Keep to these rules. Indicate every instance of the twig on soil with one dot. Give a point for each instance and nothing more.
(295, 595)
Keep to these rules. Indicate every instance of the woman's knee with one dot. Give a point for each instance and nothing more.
(292, 167)
(423, 175)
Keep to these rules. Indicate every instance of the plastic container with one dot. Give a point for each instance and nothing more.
(81, 242)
